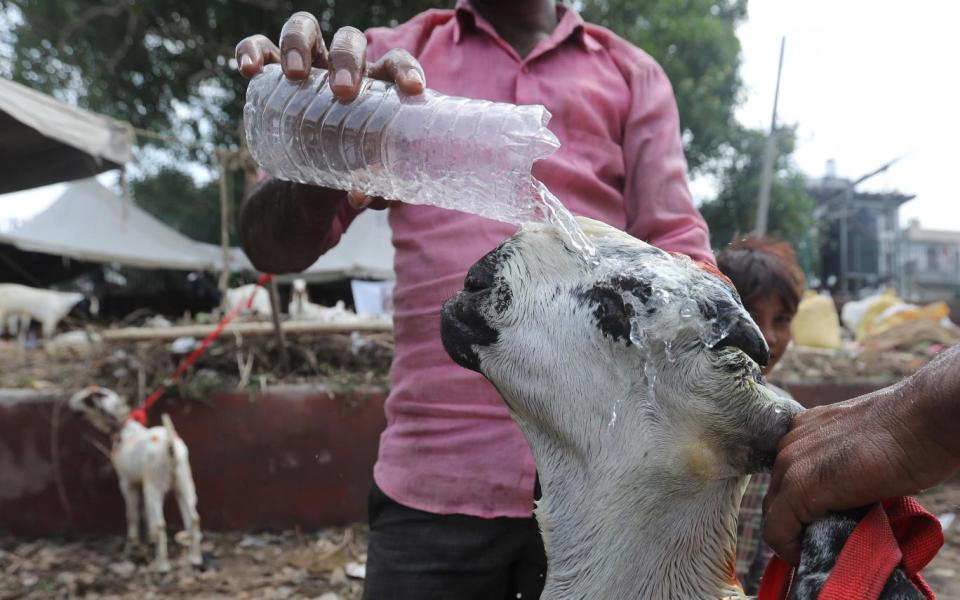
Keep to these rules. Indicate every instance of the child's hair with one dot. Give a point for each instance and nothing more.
(759, 266)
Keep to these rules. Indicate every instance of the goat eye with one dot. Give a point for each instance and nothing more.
(612, 313)
(611, 306)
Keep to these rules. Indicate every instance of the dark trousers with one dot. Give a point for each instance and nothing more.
(416, 555)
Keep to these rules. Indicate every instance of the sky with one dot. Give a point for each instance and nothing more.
(866, 81)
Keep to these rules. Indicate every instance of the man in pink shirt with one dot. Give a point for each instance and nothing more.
(451, 511)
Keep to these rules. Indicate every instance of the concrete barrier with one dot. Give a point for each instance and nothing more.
(297, 456)
(292, 456)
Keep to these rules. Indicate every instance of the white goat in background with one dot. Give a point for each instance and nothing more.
(149, 461)
(48, 307)
(239, 296)
(301, 308)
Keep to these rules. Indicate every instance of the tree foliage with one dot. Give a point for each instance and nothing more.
(165, 66)
(695, 41)
(732, 212)
(175, 198)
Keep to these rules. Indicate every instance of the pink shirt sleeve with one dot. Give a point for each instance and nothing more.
(658, 203)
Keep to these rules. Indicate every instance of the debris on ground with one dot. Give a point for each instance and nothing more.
(134, 369)
(285, 565)
(886, 357)
(322, 565)
(816, 324)
(946, 520)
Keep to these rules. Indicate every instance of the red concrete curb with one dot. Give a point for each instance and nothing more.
(289, 457)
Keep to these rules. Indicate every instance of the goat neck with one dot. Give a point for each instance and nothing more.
(612, 531)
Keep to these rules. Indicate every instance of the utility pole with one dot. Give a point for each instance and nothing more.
(769, 151)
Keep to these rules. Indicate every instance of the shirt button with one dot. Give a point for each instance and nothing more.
(525, 69)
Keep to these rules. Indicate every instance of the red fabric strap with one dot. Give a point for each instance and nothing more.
(897, 532)
(776, 581)
(866, 560)
(140, 414)
(919, 535)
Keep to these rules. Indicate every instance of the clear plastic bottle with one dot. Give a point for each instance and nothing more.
(471, 155)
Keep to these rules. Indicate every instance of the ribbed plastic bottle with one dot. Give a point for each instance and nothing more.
(470, 155)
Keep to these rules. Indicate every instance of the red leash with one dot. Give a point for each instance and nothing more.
(897, 532)
(140, 414)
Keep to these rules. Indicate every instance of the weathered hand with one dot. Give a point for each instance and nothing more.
(848, 455)
(302, 47)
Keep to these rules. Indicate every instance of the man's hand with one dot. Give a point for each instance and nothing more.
(302, 47)
(851, 454)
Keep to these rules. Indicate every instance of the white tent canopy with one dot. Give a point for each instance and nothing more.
(44, 141)
(89, 222)
(365, 252)
(86, 221)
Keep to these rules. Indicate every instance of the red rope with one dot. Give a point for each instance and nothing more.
(897, 532)
(140, 414)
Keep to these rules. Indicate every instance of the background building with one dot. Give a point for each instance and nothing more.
(860, 236)
(931, 264)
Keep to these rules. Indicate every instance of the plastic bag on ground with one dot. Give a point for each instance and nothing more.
(817, 324)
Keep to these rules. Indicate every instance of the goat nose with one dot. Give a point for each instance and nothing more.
(745, 336)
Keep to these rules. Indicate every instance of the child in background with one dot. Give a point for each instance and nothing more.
(771, 283)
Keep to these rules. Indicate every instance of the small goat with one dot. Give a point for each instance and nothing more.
(17, 325)
(301, 308)
(47, 306)
(636, 385)
(239, 296)
(152, 461)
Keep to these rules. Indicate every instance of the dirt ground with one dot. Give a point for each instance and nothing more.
(286, 565)
(237, 565)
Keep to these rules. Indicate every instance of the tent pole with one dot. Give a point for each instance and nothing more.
(277, 329)
(223, 157)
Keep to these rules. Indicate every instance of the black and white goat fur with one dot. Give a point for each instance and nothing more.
(643, 432)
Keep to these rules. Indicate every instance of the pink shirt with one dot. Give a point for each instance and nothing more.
(450, 445)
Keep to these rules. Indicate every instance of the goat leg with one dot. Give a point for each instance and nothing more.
(131, 498)
(187, 502)
(156, 525)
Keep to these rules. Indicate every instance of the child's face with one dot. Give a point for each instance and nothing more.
(774, 319)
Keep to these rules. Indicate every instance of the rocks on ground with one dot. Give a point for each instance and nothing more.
(263, 565)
